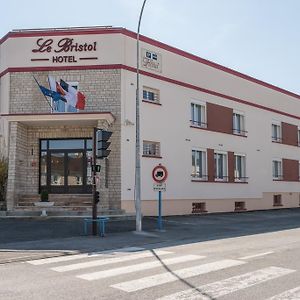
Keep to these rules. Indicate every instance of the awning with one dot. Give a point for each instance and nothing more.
(61, 119)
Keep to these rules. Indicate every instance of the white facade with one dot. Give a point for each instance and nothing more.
(179, 79)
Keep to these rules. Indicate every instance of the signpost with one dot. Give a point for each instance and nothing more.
(159, 175)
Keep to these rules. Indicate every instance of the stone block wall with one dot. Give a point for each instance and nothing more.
(102, 89)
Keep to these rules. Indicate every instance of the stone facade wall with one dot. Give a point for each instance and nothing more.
(18, 163)
(102, 89)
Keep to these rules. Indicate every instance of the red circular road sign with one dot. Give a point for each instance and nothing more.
(159, 174)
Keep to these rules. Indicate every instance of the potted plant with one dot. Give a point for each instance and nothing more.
(44, 203)
(44, 196)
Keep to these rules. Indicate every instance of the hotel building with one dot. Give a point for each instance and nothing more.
(230, 142)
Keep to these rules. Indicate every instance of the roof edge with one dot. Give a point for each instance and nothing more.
(156, 43)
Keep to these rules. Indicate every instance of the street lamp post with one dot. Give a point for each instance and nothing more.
(138, 206)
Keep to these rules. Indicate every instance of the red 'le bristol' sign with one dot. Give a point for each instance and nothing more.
(66, 46)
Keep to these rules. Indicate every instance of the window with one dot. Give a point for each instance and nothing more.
(298, 137)
(198, 207)
(239, 124)
(151, 148)
(277, 200)
(61, 106)
(150, 95)
(277, 169)
(198, 114)
(276, 132)
(220, 160)
(240, 168)
(239, 205)
(199, 164)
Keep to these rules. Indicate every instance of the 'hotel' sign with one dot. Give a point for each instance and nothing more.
(64, 50)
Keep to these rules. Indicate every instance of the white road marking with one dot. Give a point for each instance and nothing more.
(138, 267)
(224, 287)
(256, 255)
(293, 294)
(84, 255)
(151, 281)
(107, 261)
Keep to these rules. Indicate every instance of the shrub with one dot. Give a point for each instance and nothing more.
(44, 196)
(3, 177)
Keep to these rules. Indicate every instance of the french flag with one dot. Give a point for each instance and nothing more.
(68, 92)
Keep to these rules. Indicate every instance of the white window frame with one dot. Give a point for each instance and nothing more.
(72, 83)
(279, 175)
(195, 121)
(157, 148)
(225, 166)
(156, 93)
(298, 136)
(276, 138)
(241, 130)
(204, 165)
(243, 177)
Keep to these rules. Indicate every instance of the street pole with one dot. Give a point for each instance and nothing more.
(138, 206)
(94, 224)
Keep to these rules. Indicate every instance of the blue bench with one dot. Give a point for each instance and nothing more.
(101, 221)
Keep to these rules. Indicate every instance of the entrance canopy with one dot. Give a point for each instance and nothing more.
(61, 119)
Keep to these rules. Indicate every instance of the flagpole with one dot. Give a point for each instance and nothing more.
(43, 94)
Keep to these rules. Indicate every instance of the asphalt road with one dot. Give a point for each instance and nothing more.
(233, 256)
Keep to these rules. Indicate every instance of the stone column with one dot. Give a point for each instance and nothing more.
(17, 164)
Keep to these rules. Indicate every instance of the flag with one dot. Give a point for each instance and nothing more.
(73, 97)
(49, 93)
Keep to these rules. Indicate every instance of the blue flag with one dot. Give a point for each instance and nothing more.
(54, 95)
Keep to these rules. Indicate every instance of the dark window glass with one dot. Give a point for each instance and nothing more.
(43, 145)
(89, 144)
(66, 144)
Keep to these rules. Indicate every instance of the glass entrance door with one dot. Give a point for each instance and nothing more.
(57, 167)
(65, 166)
(67, 172)
(75, 169)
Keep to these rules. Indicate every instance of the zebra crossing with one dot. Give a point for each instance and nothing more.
(135, 260)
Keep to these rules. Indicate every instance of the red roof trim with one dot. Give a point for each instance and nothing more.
(148, 40)
(156, 76)
(34, 33)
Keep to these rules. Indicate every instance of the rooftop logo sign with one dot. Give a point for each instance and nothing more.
(151, 60)
(66, 50)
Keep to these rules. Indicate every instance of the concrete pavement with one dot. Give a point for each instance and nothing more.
(30, 238)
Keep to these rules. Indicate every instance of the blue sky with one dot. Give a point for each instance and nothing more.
(256, 37)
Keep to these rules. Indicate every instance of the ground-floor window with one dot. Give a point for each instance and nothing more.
(66, 165)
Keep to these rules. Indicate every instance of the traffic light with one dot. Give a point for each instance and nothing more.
(97, 197)
(102, 138)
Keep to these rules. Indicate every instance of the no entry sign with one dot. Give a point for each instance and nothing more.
(160, 174)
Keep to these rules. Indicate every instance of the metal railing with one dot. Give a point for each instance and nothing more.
(241, 179)
(199, 176)
(277, 177)
(239, 132)
(276, 139)
(198, 124)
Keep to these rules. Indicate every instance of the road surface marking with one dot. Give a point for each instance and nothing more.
(138, 267)
(256, 255)
(84, 255)
(227, 286)
(293, 294)
(107, 261)
(151, 281)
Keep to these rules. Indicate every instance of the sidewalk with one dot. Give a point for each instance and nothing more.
(24, 239)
